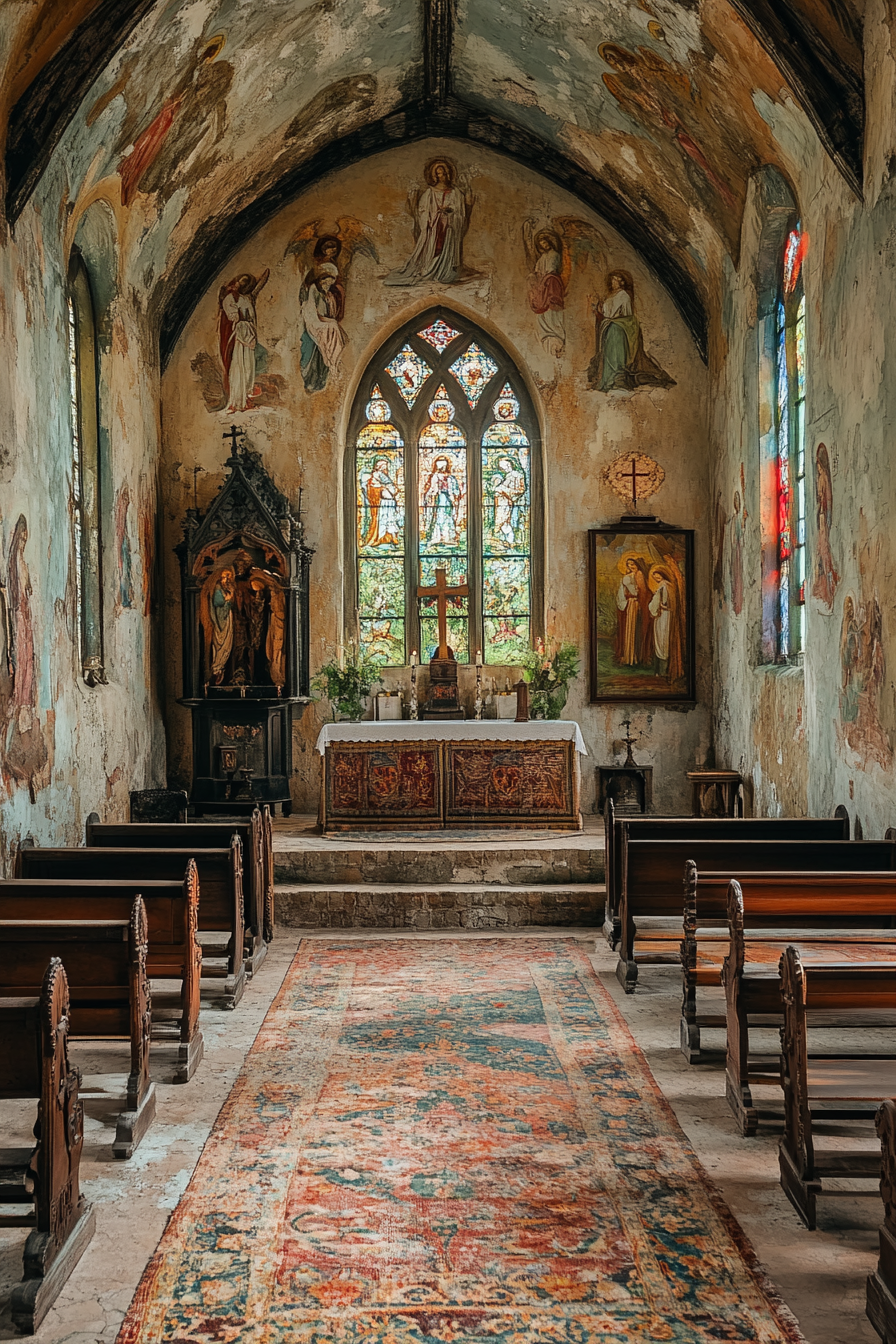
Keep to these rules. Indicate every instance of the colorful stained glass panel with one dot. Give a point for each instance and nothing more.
(442, 500)
(505, 500)
(439, 335)
(410, 372)
(381, 588)
(458, 639)
(455, 567)
(474, 371)
(384, 641)
(505, 586)
(506, 639)
(380, 495)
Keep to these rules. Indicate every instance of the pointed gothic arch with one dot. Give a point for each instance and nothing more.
(443, 466)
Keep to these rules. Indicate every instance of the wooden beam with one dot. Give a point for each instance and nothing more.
(438, 33)
(830, 90)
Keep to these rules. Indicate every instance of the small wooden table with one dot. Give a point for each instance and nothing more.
(716, 793)
(419, 775)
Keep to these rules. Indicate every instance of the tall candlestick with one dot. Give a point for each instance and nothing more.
(477, 703)
(478, 657)
(413, 658)
(412, 707)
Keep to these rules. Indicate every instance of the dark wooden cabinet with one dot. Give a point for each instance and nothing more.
(244, 607)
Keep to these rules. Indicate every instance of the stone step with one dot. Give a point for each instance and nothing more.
(438, 864)
(455, 905)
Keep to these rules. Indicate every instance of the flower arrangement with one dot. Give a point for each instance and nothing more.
(549, 669)
(346, 681)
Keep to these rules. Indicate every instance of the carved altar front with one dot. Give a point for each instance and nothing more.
(244, 587)
(422, 776)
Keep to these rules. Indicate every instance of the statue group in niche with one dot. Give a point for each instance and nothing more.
(242, 613)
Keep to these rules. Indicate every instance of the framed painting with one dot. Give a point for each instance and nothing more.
(641, 612)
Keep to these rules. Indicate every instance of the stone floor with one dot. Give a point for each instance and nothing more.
(821, 1274)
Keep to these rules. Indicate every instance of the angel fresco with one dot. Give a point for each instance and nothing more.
(324, 259)
(826, 577)
(549, 254)
(164, 153)
(441, 214)
(620, 362)
(238, 337)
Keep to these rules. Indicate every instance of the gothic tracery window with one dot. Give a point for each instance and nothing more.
(444, 474)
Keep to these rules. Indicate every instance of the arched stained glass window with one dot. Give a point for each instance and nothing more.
(444, 474)
(782, 408)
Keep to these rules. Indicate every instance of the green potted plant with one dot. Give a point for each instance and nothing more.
(346, 681)
(549, 669)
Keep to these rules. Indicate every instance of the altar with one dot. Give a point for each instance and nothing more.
(414, 775)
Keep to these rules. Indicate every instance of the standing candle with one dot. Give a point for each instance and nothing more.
(478, 657)
(414, 658)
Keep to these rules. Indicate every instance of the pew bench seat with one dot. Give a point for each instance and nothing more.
(42, 1184)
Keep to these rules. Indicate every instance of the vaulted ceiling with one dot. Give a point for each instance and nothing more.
(199, 118)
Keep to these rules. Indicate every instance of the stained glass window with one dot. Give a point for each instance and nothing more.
(409, 372)
(439, 335)
(444, 480)
(783, 357)
(474, 371)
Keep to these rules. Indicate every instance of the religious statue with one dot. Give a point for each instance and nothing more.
(242, 617)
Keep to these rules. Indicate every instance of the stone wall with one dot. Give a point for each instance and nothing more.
(67, 749)
(302, 436)
(821, 733)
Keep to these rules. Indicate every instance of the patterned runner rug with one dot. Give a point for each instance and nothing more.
(449, 1141)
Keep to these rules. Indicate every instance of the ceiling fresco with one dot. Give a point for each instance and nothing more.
(198, 118)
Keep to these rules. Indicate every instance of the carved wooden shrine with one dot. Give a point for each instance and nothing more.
(244, 592)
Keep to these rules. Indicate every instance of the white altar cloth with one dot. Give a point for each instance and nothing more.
(454, 730)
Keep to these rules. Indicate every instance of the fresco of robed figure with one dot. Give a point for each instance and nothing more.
(641, 617)
(441, 215)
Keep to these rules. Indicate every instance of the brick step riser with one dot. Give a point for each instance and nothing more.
(314, 867)
(422, 909)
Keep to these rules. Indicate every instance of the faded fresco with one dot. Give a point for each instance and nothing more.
(551, 255)
(440, 211)
(620, 362)
(825, 578)
(323, 260)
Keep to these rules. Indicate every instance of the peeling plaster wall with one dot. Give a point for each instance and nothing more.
(67, 749)
(822, 734)
(302, 440)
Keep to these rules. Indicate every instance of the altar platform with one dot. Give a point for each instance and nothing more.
(453, 879)
(417, 775)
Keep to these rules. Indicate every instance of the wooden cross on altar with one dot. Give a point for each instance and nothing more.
(634, 474)
(442, 593)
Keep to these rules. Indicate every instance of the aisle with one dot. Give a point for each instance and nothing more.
(448, 1140)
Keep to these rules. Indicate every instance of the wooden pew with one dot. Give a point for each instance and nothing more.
(847, 1086)
(619, 830)
(256, 838)
(174, 953)
(108, 993)
(880, 1291)
(826, 903)
(653, 872)
(814, 908)
(34, 1064)
(220, 881)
